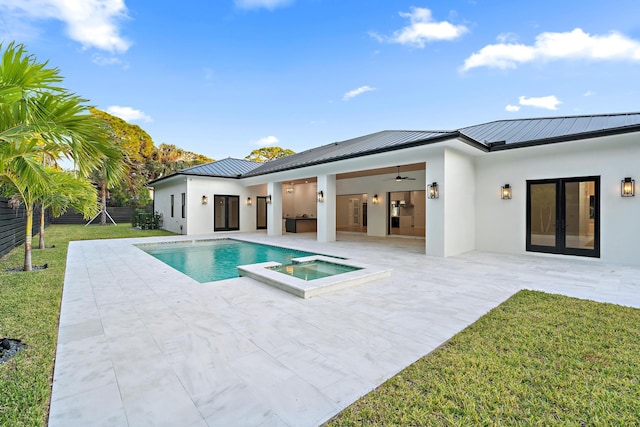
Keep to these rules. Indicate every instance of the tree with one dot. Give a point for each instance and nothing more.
(66, 190)
(106, 176)
(38, 120)
(144, 162)
(169, 158)
(266, 154)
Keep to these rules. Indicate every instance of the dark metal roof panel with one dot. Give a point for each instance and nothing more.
(224, 168)
(380, 141)
(531, 130)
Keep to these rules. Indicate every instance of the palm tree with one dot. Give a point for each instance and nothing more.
(40, 119)
(68, 191)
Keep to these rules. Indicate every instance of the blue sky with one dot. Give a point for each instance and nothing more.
(224, 77)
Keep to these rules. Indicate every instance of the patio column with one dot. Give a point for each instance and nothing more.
(274, 209)
(327, 209)
(435, 226)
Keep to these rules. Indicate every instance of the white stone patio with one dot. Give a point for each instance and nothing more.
(140, 344)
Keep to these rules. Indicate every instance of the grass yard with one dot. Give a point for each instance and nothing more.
(29, 311)
(537, 359)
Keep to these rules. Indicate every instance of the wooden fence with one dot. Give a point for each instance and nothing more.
(119, 214)
(13, 223)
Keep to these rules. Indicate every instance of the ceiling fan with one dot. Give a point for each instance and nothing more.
(399, 178)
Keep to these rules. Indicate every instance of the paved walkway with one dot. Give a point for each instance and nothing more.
(142, 345)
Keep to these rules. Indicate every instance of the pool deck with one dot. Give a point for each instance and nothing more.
(140, 344)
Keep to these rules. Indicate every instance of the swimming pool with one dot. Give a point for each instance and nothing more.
(211, 260)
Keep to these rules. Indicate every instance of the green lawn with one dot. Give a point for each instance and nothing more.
(29, 311)
(537, 359)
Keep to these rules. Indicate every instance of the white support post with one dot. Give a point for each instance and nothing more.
(274, 209)
(327, 209)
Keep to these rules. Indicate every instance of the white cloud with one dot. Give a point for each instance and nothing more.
(353, 93)
(512, 108)
(257, 4)
(267, 141)
(507, 38)
(589, 93)
(109, 60)
(575, 44)
(422, 29)
(547, 102)
(93, 23)
(128, 114)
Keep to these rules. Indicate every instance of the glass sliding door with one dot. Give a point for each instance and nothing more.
(563, 216)
(226, 213)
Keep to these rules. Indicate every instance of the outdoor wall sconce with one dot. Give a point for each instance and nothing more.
(433, 190)
(375, 199)
(249, 201)
(628, 187)
(320, 196)
(289, 190)
(505, 194)
(205, 200)
(268, 199)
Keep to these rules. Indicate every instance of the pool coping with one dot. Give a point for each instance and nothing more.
(310, 288)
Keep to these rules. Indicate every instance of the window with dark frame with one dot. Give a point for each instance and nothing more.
(172, 200)
(226, 213)
(184, 200)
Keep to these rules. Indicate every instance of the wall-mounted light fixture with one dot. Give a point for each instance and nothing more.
(320, 196)
(289, 190)
(505, 192)
(249, 202)
(375, 199)
(433, 190)
(268, 199)
(205, 200)
(628, 187)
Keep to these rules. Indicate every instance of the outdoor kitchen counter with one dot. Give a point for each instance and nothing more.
(301, 225)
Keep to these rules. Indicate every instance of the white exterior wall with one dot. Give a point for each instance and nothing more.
(501, 224)
(199, 217)
(459, 206)
(162, 204)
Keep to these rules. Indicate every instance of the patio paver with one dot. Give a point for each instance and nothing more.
(141, 344)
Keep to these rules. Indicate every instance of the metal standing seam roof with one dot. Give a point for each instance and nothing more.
(360, 146)
(498, 134)
(225, 168)
(540, 129)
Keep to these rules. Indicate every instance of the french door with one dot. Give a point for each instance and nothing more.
(226, 213)
(563, 216)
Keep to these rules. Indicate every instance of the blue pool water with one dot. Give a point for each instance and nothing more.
(210, 260)
(314, 269)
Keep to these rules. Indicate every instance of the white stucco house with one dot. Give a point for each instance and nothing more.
(556, 185)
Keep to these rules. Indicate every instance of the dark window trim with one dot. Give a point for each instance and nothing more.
(184, 201)
(226, 227)
(560, 247)
(172, 203)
